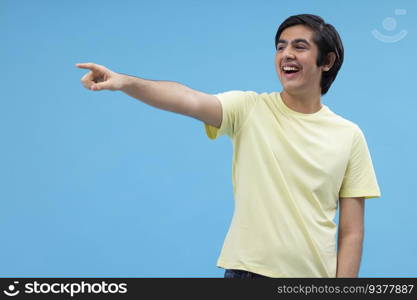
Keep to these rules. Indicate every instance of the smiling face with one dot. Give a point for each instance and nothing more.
(296, 61)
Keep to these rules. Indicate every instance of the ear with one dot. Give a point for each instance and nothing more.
(330, 59)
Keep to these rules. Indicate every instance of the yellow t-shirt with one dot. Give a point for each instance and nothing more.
(289, 170)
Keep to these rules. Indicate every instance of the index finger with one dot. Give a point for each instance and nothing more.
(90, 66)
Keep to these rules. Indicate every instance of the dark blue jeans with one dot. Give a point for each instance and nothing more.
(229, 273)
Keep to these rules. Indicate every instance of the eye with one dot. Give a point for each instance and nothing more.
(280, 48)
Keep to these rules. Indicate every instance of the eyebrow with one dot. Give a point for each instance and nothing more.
(295, 41)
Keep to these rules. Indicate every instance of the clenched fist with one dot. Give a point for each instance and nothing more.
(101, 78)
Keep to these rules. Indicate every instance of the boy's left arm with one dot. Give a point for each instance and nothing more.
(351, 234)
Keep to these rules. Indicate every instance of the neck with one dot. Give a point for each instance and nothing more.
(307, 103)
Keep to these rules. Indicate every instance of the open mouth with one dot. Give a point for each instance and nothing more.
(290, 70)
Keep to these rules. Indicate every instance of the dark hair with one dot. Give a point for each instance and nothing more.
(327, 40)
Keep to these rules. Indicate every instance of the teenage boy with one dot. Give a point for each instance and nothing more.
(294, 160)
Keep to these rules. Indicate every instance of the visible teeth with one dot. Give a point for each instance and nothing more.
(289, 68)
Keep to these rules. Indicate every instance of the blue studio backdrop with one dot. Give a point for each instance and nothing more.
(98, 184)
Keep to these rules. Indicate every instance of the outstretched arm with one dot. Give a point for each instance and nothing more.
(166, 95)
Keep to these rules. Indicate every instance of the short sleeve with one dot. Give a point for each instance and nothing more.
(359, 179)
(236, 106)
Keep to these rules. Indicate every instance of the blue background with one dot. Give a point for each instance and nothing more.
(98, 184)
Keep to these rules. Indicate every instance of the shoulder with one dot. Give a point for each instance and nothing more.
(237, 94)
(342, 121)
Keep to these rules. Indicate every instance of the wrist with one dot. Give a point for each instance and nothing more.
(125, 82)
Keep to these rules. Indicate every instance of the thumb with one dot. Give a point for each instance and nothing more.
(99, 86)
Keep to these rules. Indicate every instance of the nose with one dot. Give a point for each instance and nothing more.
(285, 55)
(288, 54)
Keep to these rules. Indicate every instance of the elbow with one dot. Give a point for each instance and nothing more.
(352, 235)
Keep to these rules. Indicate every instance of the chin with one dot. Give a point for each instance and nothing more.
(292, 89)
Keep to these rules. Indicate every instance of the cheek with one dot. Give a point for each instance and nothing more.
(276, 62)
(313, 71)
(309, 67)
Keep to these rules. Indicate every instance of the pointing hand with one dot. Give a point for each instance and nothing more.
(100, 78)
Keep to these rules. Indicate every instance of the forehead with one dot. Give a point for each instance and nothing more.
(297, 32)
